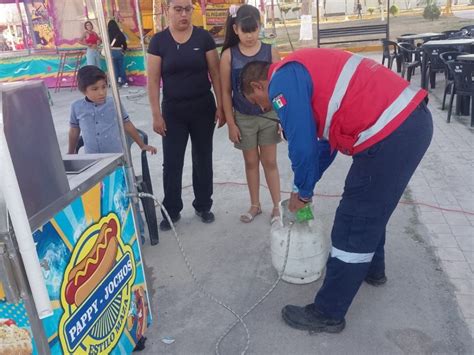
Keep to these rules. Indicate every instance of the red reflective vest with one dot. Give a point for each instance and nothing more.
(356, 102)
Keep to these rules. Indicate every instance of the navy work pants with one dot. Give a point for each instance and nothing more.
(375, 182)
(195, 119)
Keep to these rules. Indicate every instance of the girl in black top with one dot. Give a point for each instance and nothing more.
(184, 56)
(118, 44)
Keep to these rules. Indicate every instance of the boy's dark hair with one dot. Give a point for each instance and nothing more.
(88, 75)
(248, 19)
(251, 72)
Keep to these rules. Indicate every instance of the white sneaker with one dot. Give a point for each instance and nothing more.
(125, 85)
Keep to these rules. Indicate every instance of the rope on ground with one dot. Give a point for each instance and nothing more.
(401, 202)
(209, 295)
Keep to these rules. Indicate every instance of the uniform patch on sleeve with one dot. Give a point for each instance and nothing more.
(278, 102)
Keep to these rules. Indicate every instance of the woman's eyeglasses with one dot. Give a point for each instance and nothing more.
(186, 9)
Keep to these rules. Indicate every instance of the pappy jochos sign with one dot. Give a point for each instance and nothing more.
(96, 288)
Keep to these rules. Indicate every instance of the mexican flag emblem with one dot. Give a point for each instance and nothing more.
(279, 101)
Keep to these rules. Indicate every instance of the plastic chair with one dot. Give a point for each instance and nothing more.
(391, 53)
(451, 33)
(435, 64)
(448, 75)
(404, 40)
(435, 38)
(143, 185)
(411, 56)
(468, 29)
(463, 73)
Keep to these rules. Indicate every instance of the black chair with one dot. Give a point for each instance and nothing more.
(451, 33)
(435, 64)
(467, 28)
(463, 73)
(143, 185)
(391, 53)
(448, 75)
(404, 40)
(467, 31)
(435, 38)
(460, 35)
(411, 56)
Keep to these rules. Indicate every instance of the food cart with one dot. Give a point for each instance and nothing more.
(72, 276)
(84, 235)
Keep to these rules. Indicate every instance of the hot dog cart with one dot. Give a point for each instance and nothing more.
(72, 277)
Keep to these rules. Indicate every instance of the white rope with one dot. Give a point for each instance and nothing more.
(240, 319)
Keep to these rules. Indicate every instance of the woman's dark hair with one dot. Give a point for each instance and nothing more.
(86, 23)
(247, 18)
(251, 72)
(88, 75)
(114, 32)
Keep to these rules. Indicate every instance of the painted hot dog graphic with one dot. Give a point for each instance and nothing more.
(87, 274)
(142, 312)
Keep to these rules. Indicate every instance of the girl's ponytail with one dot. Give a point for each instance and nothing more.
(230, 37)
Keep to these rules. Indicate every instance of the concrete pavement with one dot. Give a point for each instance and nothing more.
(426, 306)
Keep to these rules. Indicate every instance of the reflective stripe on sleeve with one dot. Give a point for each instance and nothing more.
(351, 258)
(340, 90)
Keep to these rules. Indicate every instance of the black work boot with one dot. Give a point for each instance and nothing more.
(307, 318)
(376, 280)
(166, 226)
(206, 216)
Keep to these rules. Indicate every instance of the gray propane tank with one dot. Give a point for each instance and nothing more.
(308, 251)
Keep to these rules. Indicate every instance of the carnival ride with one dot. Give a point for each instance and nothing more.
(35, 36)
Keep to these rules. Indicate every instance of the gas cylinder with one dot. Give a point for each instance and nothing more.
(308, 250)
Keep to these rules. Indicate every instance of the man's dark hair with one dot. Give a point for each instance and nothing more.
(253, 71)
(88, 75)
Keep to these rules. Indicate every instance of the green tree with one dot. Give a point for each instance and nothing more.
(431, 11)
(394, 10)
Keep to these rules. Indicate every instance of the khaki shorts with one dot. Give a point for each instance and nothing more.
(256, 131)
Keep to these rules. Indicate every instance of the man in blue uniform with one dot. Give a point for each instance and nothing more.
(331, 100)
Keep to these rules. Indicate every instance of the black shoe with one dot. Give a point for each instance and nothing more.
(376, 280)
(166, 226)
(206, 216)
(307, 318)
(140, 344)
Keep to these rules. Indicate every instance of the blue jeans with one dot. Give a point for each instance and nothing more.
(376, 180)
(119, 66)
(93, 57)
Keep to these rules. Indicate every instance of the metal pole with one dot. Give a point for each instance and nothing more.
(130, 174)
(140, 29)
(113, 83)
(203, 13)
(30, 25)
(317, 21)
(272, 14)
(388, 20)
(23, 27)
(118, 106)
